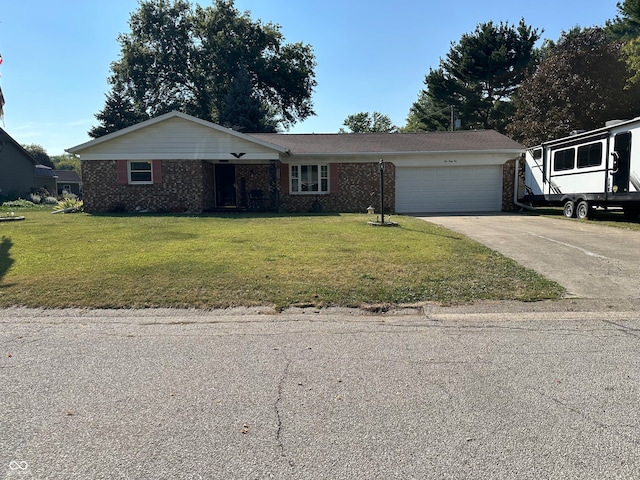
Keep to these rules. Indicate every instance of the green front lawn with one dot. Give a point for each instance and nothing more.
(113, 261)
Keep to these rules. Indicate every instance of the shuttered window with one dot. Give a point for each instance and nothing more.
(139, 172)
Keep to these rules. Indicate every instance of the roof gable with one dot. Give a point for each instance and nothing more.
(176, 135)
(4, 137)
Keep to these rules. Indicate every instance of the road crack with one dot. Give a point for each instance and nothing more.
(279, 412)
(589, 418)
(633, 332)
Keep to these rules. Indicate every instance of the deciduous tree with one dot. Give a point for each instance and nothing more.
(66, 162)
(177, 57)
(365, 122)
(580, 84)
(39, 154)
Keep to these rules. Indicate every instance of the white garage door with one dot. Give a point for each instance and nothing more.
(449, 189)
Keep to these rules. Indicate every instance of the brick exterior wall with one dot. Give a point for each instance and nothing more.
(253, 187)
(182, 188)
(508, 179)
(358, 187)
(187, 186)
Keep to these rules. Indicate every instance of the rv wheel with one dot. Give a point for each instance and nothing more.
(582, 211)
(631, 213)
(569, 209)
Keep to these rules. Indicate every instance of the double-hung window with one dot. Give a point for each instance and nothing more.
(310, 178)
(140, 172)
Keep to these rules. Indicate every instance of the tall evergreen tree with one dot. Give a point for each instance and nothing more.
(241, 110)
(626, 25)
(626, 28)
(428, 115)
(119, 112)
(478, 78)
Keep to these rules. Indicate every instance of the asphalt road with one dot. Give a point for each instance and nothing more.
(590, 260)
(501, 391)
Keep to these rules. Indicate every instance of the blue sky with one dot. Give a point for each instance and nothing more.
(372, 55)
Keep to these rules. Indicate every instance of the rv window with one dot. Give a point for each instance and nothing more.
(590, 155)
(537, 154)
(563, 159)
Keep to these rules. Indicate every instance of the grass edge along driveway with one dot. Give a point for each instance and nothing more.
(182, 261)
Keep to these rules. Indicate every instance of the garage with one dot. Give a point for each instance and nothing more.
(449, 189)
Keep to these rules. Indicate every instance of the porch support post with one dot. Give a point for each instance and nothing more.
(274, 190)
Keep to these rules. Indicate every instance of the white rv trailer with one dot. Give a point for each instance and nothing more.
(597, 168)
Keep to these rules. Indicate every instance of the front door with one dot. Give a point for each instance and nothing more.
(621, 162)
(225, 180)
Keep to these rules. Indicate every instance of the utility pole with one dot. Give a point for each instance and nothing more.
(452, 126)
(381, 164)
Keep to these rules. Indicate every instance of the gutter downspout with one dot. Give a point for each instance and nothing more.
(515, 189)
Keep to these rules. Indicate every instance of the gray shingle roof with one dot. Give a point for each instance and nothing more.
(351, 143)
(69, 176)
(44, 171)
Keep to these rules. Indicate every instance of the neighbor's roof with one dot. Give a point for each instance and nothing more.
(368, 143)
(44, 171)
(69, 176)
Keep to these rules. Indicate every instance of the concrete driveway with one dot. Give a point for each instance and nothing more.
(587, 259)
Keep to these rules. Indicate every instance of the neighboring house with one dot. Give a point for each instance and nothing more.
(20, 174)
(69, 181)
(46, 181)
(177, 163)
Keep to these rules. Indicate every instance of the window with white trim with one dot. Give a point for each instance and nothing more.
(309, 178)
(140, 172)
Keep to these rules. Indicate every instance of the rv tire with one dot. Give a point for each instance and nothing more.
(569, 209)
(583, 210)
(631, 213)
